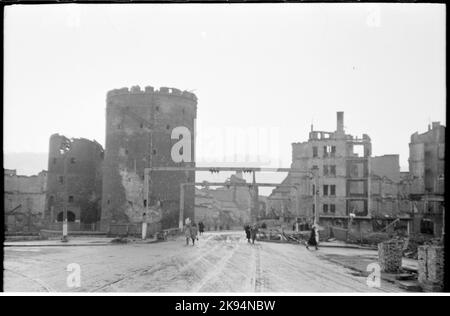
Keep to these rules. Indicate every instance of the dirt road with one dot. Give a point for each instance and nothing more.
(219, 262)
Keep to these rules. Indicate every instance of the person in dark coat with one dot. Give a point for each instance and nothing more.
(201, 228)
(247, 232)
(254, 232)
(312, 239)
(193, 232)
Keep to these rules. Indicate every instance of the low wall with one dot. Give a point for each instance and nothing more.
(133, 229)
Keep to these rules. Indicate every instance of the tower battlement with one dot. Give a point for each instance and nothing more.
(151, 90)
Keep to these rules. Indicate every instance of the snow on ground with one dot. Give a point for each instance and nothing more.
(219, 262)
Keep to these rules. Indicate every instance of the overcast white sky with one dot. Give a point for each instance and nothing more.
(278, 66)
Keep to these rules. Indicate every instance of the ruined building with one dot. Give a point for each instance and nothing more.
(24, 201)
(424, 184)
(224, 207)
(349, 181)
(74, 181)
(139, 127)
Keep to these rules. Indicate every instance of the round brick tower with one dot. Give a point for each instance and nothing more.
(139, 127)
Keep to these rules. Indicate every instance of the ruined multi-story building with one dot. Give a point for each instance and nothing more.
(425, 182)
(350, 183)
(74, 181)
(139, 135)
(24, 201)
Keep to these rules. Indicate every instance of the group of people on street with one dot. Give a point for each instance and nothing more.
(251, 232)
(191, 231)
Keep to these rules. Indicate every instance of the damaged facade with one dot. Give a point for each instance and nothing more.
(74, 181)
(350, 183)
(24, 201)
(424, 184)
(139, 126)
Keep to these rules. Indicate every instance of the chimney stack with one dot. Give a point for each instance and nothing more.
(340, 121)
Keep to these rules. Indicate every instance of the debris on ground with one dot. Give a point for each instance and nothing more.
(120, 240)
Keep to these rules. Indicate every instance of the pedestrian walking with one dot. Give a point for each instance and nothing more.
(194, 231)
(312, 238)
(187, 233)
(247, 232)
(254, 232)
(201, 228)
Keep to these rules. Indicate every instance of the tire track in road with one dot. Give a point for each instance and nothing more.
(217, 269)
(161, 265)
(259, 280)
(37, 281)
(157, 272)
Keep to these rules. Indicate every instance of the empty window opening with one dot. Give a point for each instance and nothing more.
(141, 125)
(358, 150)
(328, 151)
(325, 189)
(315, 152)
(426, 226)
(71, 199)
(72, 160)
(145, 203)
(157, 108)
(154, 151)
(61, 179)
(332, 208)
(168, 126)
(333, 170)
(332, 189)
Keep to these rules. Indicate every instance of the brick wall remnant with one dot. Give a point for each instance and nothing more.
(390, 255)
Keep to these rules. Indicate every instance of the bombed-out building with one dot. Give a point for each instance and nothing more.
(142, 127)
(24, 201)
(348, 181)
(74, 182)
(424, 184)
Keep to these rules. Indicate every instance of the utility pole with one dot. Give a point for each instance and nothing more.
(180, 224)
(315, 193)
(65, 223)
